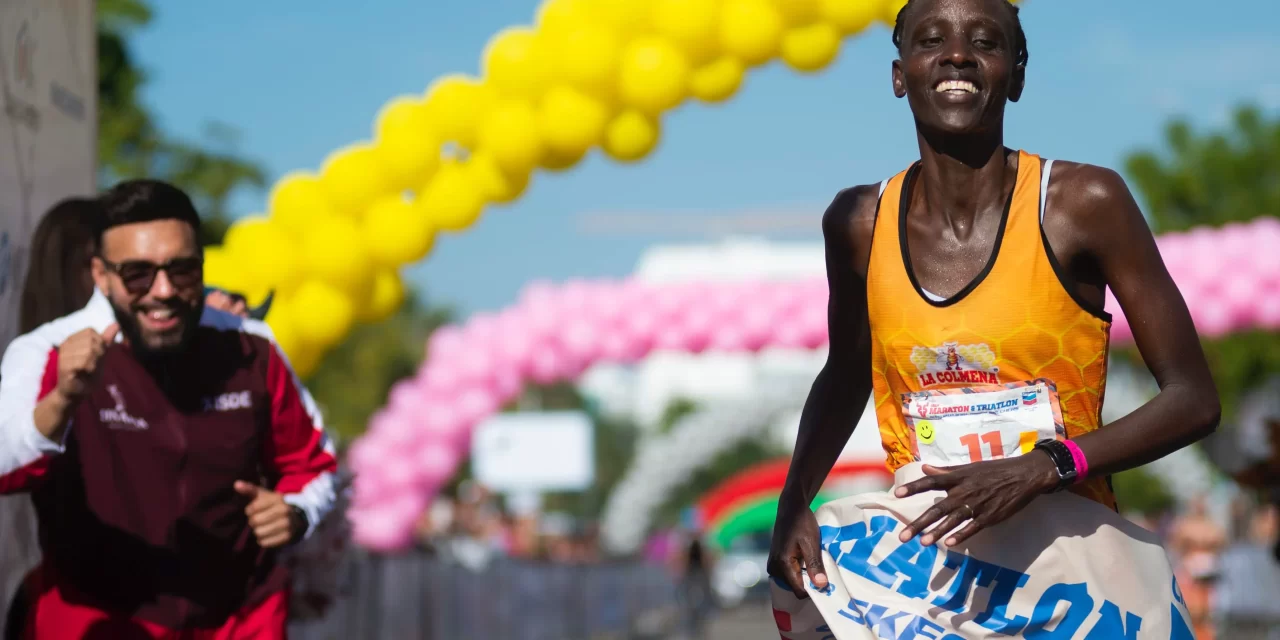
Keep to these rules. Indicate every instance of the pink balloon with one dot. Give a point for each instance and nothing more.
(697, 327)
(581, 340)
(1240, 295)
(538, 293)
(475, 364)
(476, 404)
(394, 428)
(406, 397)
(443, 421)
(442, 376)
(1212, 317)
(1267, 315)
(436, 463)
(788, 333)
(728, 338)
(388, 527)
(757, 325)
(365, 453)
(444, 342)
(547, 364)
(506, 383)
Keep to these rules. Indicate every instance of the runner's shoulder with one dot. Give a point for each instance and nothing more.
(851, 216)
(1087, 195)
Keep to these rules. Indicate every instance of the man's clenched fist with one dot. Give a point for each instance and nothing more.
(274, 522)
(78, 360)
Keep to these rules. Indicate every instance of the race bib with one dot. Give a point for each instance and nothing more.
(962, 426)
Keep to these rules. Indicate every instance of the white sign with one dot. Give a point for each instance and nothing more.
(552, 451)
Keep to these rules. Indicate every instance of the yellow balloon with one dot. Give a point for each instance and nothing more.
(353, 177)
(631, 135)
(692, 25)
(453, 199)
(267, 254)
(220, 270)
(553, 160)
(396, 232)
(718, 80)
(297, 199)
(628, 18)
(457, 104)
(283, 328)
(890, 11)
(386, 295)
(307, 361)
(811, 48)
(558, 17)
(799, 12)
(751, 30)
(511, 137)
(849, 16)
(406, 145)
(654, 75)
(515, 63)
(587, 57)
(321, 314)
(334, 252)
(497, 185)
(571, 122)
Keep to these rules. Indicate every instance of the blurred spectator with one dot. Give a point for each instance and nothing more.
(58, 278)
(1195, 541)
(1246, 606)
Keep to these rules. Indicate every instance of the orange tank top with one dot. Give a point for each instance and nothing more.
(1014, 322)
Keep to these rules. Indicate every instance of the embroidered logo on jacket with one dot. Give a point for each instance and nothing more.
(118, 417)
(229, 401)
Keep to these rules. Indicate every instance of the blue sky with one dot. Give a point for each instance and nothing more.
(301, 78)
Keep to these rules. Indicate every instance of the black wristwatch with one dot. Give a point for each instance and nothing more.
(1062, 459)
(300, 522)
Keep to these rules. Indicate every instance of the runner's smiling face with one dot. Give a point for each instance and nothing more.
(152, 272)
(957, 64)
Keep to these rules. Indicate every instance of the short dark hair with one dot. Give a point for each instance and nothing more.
(142, 200)
(1020, 53)
(57, 280)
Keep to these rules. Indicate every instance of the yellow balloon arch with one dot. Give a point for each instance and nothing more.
(590, 73)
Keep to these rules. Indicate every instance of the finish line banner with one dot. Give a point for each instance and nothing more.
(1065, 568)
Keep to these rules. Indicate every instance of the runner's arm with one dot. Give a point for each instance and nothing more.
(840, 392)
(1187, 407)
(301, 456)
(28, 373)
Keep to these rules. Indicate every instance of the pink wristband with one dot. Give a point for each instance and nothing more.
(1082, 465)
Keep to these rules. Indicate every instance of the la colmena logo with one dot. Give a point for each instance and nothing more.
(912, 567)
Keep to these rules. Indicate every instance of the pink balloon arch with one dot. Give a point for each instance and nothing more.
(1230, 278)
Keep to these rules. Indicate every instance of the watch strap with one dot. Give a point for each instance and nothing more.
(1062, 459)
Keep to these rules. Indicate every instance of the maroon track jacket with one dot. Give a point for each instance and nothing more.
(136, 508)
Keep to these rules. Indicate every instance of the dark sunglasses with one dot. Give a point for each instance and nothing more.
(139, 275)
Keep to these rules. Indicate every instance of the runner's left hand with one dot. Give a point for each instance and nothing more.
(268, 516)
(984, 493)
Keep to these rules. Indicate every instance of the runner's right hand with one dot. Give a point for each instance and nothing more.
(78, 360)
(796, 548)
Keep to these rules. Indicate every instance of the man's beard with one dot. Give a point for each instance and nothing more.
(158, 346)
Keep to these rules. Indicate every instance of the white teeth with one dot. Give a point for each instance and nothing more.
(956, 86)
(160, 314)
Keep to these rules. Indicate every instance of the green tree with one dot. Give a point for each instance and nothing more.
(1212, 178)
(131, 144)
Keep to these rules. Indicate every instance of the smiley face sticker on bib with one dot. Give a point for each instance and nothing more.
(961, 426)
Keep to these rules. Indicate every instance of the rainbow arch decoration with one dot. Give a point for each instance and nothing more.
(748, 501)
(554, 333)
(587, 75)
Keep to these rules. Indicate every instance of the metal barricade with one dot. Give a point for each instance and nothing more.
(418, 596)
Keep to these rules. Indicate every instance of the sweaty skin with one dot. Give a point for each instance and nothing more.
(1095, 230)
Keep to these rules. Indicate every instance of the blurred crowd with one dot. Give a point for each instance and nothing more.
(1228, 575)
(473, 526)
